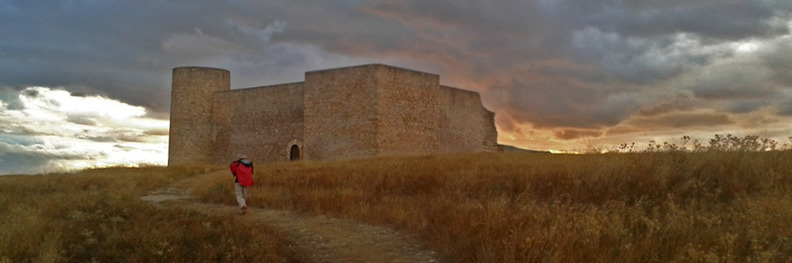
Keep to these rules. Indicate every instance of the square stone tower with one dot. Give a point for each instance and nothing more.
(370, 110)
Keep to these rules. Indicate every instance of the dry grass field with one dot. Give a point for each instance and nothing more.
(711, 206)
(97, 216)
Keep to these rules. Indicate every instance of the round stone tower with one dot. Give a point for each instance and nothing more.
(192, 93)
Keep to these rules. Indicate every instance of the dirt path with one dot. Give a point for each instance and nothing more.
(320, 239)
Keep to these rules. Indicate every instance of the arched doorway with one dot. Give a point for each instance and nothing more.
(294, 150)
(294, 153)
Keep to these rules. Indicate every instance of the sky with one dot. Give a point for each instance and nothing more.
(87, 83)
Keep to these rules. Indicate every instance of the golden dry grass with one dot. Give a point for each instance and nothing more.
(642, 207)
(97, 216)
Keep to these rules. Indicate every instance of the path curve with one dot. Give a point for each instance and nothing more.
(319, 239)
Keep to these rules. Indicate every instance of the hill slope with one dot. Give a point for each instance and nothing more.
(642, 207)
(647, 207)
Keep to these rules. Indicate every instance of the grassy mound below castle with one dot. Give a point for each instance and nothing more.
(710, 206)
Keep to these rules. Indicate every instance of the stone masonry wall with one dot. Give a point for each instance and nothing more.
(340, 116)
(408, 111)
(221, 126)
(469, 126)
(259, 122)
(336, 114)
(192, 90)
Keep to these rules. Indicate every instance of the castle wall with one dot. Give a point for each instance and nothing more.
(469, 126)
(408, 113)
(221, 127)
(191, 127)
(345, 113)
(340, 118)
(259, 122)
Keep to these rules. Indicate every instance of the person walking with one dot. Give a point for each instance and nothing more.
(242, 169)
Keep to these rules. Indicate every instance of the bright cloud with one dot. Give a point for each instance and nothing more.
(49, 130)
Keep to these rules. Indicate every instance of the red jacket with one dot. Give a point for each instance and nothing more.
(243, 170)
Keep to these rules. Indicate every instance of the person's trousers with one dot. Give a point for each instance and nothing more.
(241, 194)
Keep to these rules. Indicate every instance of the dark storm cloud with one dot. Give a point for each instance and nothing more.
(713, 19)
(18, 160)
(121, 48)
(734, 82)
(778, 58)
(638, 61)
(562, 65)
(679, 103)
(575, 105)
(632, 45)
(491, 35)
(569, 134)
(683, 120)
(342, 28)
(76, 43)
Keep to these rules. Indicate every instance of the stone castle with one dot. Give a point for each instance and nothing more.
(342, 113)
